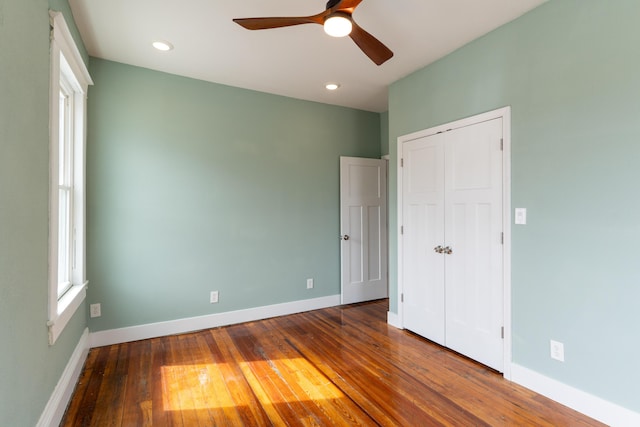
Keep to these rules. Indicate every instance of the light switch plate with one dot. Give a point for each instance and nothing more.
(521, 216)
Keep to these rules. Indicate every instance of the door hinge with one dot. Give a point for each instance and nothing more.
(501, 144)
(502, 238)
(502, 332)
(402, 229)
(402, 163)
(401, 297)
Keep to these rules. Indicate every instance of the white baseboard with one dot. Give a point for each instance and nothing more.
(152, 330)
(57, 404)
(394, 320)
(592, 406)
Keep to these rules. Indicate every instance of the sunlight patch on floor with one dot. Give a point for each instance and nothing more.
(211, 386)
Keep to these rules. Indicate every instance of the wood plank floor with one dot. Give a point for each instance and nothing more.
(337, 366)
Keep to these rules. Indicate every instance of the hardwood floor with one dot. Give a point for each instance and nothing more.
(337, 366)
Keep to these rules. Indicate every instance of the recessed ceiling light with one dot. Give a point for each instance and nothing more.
(162, 45)
(332, 86)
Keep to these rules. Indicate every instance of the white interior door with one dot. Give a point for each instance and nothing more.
(363, 224)
(473, 232)
(423, 231)
(452, 240)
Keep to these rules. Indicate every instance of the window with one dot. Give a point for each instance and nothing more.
(69, 83)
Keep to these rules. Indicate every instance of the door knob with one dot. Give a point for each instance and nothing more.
(438, 249)
(345, 237)
(447, 250)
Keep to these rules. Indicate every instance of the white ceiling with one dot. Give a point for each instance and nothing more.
(292, 61)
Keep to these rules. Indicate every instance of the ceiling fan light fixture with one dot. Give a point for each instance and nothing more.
(338, 25)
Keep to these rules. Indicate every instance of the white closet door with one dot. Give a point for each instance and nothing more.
(452, 200)
(423, 224)
(473, 231)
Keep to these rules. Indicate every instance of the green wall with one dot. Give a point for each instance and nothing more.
(570, 70)
(384, 133)
(195, 187)
(29, 367)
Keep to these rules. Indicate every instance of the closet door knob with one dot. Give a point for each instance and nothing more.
(447, 250)
(438, 249)
(345, 237)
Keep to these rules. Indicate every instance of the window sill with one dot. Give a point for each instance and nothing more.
(67, 306)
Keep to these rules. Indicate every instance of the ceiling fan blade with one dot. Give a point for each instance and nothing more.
(266, 23)
(371, 46)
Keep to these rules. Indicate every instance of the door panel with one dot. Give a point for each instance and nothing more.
(374, 246)
(363, 218)
(473, 229)
(355, 247)
(423, 223)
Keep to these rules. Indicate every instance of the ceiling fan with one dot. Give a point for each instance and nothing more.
(337, 22)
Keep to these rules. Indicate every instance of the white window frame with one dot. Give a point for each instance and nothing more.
(67, 66)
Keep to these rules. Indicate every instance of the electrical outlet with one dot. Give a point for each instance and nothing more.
(557, 350)
(309, 283)
(213, 297)
(95, 310)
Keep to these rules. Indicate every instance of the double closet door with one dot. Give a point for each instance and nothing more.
(452, 240)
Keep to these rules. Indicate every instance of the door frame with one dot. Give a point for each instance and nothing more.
(505, 114)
